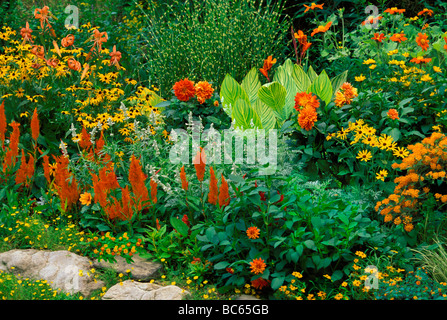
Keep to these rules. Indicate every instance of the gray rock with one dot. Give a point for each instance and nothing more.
(140, 269)
(62, 269)
(133, 290)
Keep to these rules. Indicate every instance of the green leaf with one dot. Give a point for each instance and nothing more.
(251, 85)
(338, 80)
(230, 92)
(277, 282)
(310, 244)
(322, 87)
(283, 75)
(180, 226)
(274, 95)
(266, 115)
(312, 74)
(244, 114)
(302, 80)
(221, 265)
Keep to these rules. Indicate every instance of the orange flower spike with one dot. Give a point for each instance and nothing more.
(115, 57)
(3, 124)
(183, 178)
(137, 180)
(224, 195)
(46, 168)
(35, 125)
(21, 172)
(26, 34)
(213, 192)
(200, 164)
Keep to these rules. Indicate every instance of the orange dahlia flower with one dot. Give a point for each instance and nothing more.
(184, 89)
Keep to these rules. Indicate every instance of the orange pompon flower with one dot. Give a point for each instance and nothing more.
(184, 89)
(394, 10)
(74, 64)
(422, 41)
(303, 99)
(257, 266)
(378, 37)
(213, 192)
(313, 6)
(204, 91)
(26, 34)
(200, 163)
(307, 118)
(153, 186)
(392, 113)
(268, 64)
(321, 29)
(68, 41)
(183, 178)
(224, 195)
(260, 283)
(3, 123)
(86, 198)
(345, 94)
(253, 233)
(35, 125)
(425, 11)
(398, 37)
(115, 57)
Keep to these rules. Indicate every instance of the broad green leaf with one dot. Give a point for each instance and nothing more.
(322, 87)
(244, 115)
(180, 226)
(230, 91)
(284, 77)
(273, 94)
(251, 85)
(338, 80)
(312, 74)
(268, 118)
(221, 265)
(301, 78)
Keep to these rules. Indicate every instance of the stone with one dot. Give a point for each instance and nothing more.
(140, 269)
(134, 290)
(245, 297)
(61, 269)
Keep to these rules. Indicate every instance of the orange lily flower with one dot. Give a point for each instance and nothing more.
(42, 15)
(99, 38)
(115, 57)
(313, 6)
(268, 64)
(321, 29)
(53, 62)
(68, 41)
(73, 64)
(26, 34)
(38, 51)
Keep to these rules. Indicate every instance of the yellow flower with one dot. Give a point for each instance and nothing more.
(360, 78)
(381, 175)
(338, 296)
(369, 61)
(85, 198)
(426, 78)
(373, 66)
(364, 155)
(437, 69)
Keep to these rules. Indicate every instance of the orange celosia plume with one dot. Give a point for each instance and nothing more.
(224, 195)
(213, 192)
(137, 180)
(13, 148)
(200, 163)
(35, 126)
(183, 178)
(67, 191)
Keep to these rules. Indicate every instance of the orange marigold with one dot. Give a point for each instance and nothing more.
(257, 266)
(303, 99)
(184, 89)
(204, 91)
(253, 233)
(392, 113)
(307, 118)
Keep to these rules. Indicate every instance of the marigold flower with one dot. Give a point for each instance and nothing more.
(86, 198)
(184, 89)
(422, 41)
(257, 266)
(321, 29)
(303, 99)
(204, 91)
(253, 233)
(307, 118)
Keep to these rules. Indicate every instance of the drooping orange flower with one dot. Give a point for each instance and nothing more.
(35, 126)
(200, 164)
(321, 29)
(213, 191)
(398, 37)
(183, 178)
(393, 114)
(3, 123)
(42, 15)
(422, 41)
(303, 99)
(115, 57)
(98, 39)
(26, 34)
(425, 11)
(307, 117)
(204, 91)
(253, 233)
(38, 51)
(258, 266)
(268, 64)
(68, 41)
(313, 6)
(394, 10)
(184, 89)
(224, 195)
(378, 37)
(74, 64)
